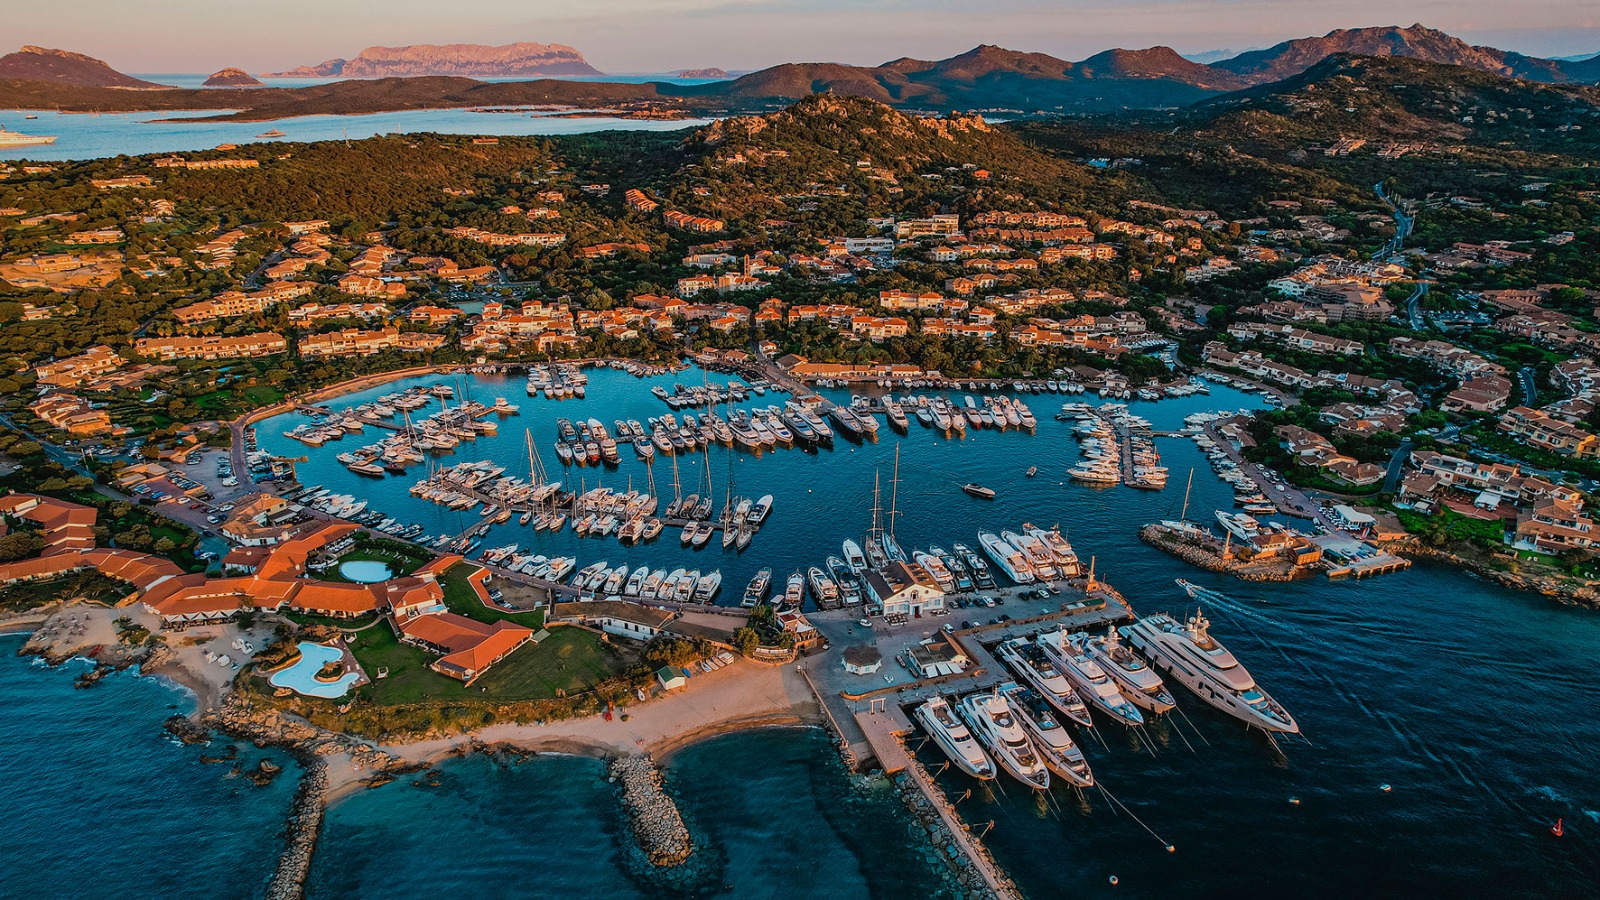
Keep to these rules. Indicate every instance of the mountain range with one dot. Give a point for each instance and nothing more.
(984, 78)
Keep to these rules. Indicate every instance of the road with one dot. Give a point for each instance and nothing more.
(1391, 480)
(1414, 305)
(1530, 385)
(1402, 225)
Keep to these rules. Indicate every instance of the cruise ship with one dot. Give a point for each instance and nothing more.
(1029, 664)
(1010, 560)
(1208, 669)
(939, 720)
(1137, 681)
(1087, 676)
(1056, 748)
(997, 729)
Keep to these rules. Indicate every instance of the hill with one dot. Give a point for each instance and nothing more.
(232, 77)
(1416, 42)
(462, 60)
(65, 67)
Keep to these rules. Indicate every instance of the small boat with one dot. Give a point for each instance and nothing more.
(271, 133)
(979, 491)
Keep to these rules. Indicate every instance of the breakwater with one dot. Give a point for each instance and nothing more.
(1194, 554)
(302, 828)
(658, 826)
(962, 852)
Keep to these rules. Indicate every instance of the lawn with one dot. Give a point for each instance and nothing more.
(570, 659)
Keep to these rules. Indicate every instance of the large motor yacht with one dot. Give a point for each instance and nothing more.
(1205, 667)
(955, 739)
(1093, 684)
(1137, 681)
(997, 729)
(1059, 752)
(1028, 661)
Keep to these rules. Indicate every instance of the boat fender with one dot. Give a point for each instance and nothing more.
(1385, 788)
(1113, 879)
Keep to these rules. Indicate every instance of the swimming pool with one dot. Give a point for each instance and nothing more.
(366, 571)
(302, 676)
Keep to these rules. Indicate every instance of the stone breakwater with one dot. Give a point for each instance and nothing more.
(303, 827)
(967, 860)
(657, 825)
(1196, 555)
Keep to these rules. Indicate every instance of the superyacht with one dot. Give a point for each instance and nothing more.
(997, 729)
(1208, 669)
(939, 720)
(1087, 676)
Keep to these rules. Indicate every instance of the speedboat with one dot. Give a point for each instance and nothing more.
(759, 510)
(1208, 669)
(997, 729)
(955, 739)
(1056, 748)
(1137, 681)
(1028, 661)
(635, 581)
(1092, 683)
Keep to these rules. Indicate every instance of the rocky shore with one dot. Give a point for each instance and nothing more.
(303, 827)
(657, 825)
(964, 866)
(1564, 588)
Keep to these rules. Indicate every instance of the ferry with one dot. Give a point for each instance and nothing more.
(1086, 675)
(757, 590)
(979, 491)
(1137, 681)
(1060, 754)
(996, 727)
(1189, 653)
(1028, 661)
(955, 739)
(1008, 558)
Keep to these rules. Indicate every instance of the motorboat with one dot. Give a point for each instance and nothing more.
(1189, 653)
(1091, 682)
(1137, 681)
(939, 720)
(992, 722)
(1029, 662)
(1060, 754)
(854, 558)
(1010, 560)
(757, 590)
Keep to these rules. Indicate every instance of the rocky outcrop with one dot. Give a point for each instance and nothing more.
(657, 825)
(700, 73)
(243, 717)
(463, 60)
(65, 67)
(231, 77)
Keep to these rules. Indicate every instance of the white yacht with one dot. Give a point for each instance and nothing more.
(1010, 560)
(854, 558)
(1206, 668)
(1029, 663)
(1066, 558)
(1086, 675)
(1241, 525)
(1137, 681)
(997, 729)
(1056, 748)
(939, 720)
(1038, 555)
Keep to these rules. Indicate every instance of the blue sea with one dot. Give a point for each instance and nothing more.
(1474, 705)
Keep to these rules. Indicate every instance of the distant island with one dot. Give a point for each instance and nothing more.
(231, 77)
(465, 60)
(701, 73)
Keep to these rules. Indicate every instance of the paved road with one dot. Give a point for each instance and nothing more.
(1391, 480)
(1414, 305)
(1530, 385)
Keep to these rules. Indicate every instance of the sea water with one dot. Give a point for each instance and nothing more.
(1473, 704)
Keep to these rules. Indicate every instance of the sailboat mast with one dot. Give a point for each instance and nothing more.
(877, 508)
(894, 491)
(1184, 516)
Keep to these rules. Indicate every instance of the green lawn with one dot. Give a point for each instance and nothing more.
(252, 397)
(570, 659)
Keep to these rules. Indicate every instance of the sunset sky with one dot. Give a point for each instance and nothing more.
(662, 35)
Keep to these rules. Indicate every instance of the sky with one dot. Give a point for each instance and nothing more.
(635, 36)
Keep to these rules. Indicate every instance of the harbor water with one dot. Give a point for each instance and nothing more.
(1448, 722)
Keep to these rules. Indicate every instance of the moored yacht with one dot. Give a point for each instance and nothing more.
(1093, 684)
(955, 739)
(1010, 560)
(1030, 664)
(1056, 748)
(757, 590)
(1137, 681)
(997, 729)
(1208, 669)
(854, 558)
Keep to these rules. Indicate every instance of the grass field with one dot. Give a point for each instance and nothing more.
(570, 659)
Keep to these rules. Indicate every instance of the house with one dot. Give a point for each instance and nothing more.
(905, 589)
(862, 659)
(469, 647)
(615, 617)
(671, 679)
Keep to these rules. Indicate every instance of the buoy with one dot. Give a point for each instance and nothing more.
(1385, 788)
(1556, 829)
(1294, 801)
(1171, 849)
(1113, 879)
